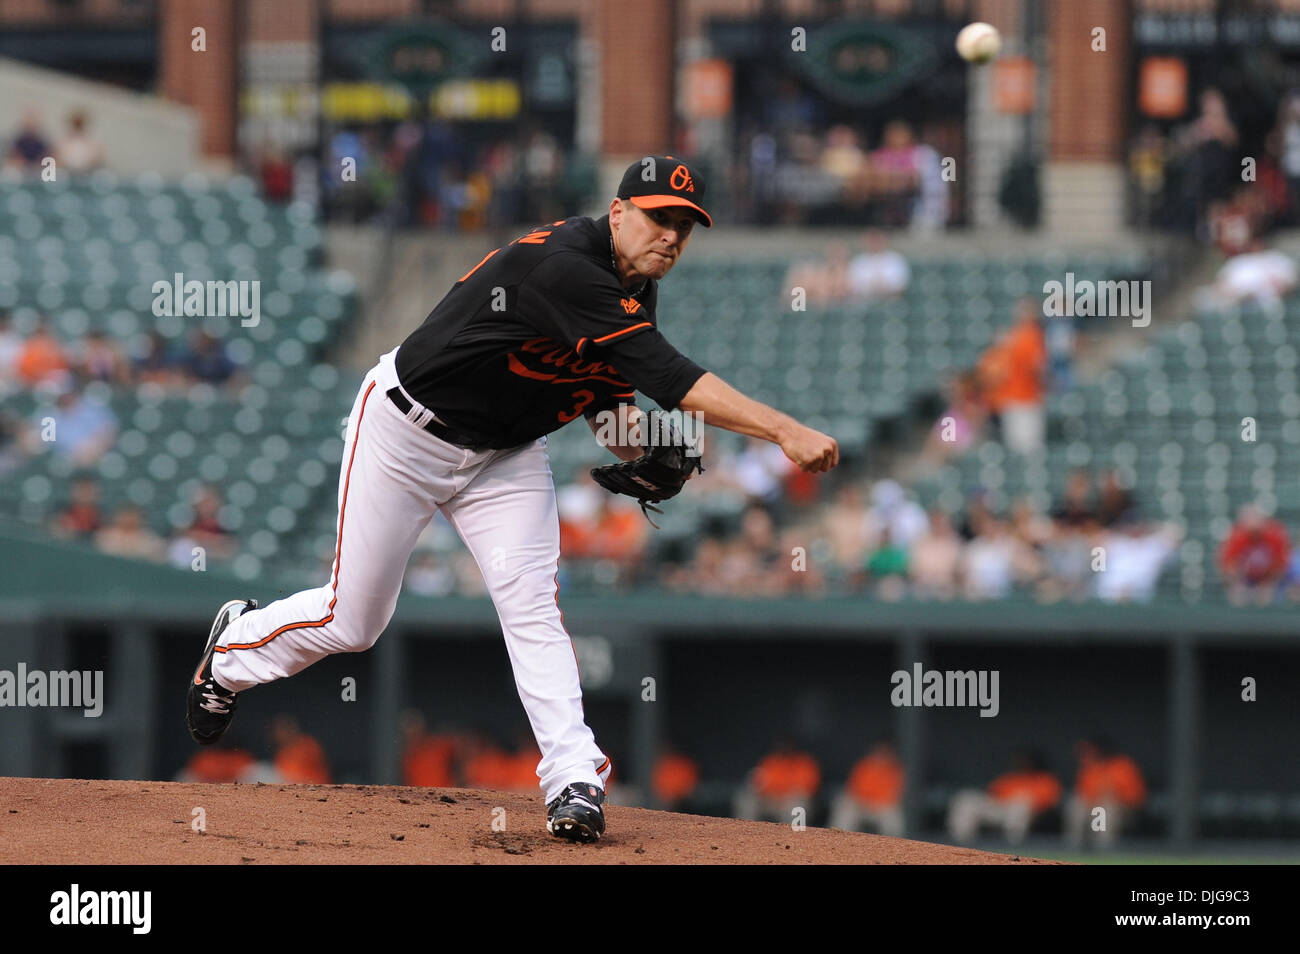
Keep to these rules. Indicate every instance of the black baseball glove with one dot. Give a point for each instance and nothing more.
(656, 475)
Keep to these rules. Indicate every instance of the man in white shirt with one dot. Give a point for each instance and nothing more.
(1135, 555)
(878, 272)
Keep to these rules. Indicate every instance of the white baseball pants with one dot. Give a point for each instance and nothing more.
(394, 477)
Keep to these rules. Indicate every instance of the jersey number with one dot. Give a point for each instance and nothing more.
(583, 397)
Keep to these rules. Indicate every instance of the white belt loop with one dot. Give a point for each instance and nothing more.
(419, 415)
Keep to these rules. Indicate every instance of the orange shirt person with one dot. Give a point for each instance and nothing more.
(217, 765)
(1041, 789)
(877, 780)
(787, 774)
(1012, 370)
(675, 778)
(427, 761)
(298, 757)
(1108, 776)
(40, 358)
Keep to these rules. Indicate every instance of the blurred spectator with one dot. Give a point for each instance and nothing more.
(1288, 143)
(1012, 801)
(11, 348)
(893, 511)
(207, 359)
(896, 174)
(748, 564)
(782, 781)
(30, 146)
(1260, 275)
(989, 562)
(1114, 500)
(1076, 510)
(1067, 553)
(1061, 339)
(1232, 224)
(485, 764)
(1254, 557)
(275, 170)
(675, 778)
(524, 761)
(100, 359)
(81, 517)
(128, 536)
(78, 151)
(42, 359)
(619, 535)
(299, 759)
(1209, 161)
(935, 559)
(931, 210)
(1105, 780)
(12, 451)
(156, 363)
(824, 282)
(887, 568)
(960, 424)
(877, 272)
(846, 525)
(1146, 165)
(82, 429)
(429, 576)
(218, 764)
(1135, 555)
(204, 530)
(843, 158)
(757, 471)
(428, 760)
(1012, 375)
(873, 797)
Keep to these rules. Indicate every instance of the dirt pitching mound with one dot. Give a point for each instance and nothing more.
(69, 821)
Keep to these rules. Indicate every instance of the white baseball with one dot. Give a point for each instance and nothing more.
(979, 42)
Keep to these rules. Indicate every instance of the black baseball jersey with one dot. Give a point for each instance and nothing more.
(538, 333)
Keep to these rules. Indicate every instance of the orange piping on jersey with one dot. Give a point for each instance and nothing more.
(578, 346)
(338, 553)
(519, 368)
(479, 265)
(615, 334)
(534, 238)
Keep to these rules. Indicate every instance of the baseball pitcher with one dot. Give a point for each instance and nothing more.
(556, 325)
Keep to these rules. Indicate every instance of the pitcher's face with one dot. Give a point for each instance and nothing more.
(649, 241)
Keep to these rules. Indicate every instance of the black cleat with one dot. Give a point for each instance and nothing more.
(576, 814)
(210, 707)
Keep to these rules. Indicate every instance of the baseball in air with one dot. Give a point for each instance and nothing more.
(979, 42)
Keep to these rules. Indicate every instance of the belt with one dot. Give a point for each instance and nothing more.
(432, 424)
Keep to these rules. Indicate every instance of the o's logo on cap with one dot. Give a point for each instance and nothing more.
(681, 179)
